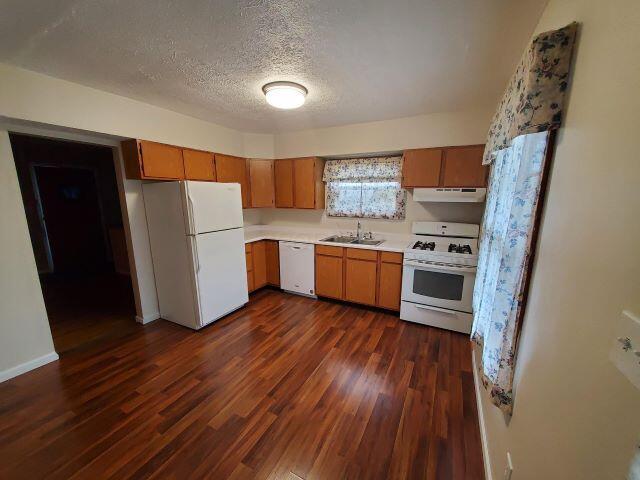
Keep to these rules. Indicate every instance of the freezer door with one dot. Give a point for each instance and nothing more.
(220, 272)
(211, 206)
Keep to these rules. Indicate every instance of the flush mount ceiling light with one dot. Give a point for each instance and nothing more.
(285, 95)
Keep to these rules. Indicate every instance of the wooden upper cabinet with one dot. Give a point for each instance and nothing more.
(283, 171)
(230, 169)
(151, 160)
(421, 167)
(308, 188)
(463, 167)
(262, 183)
(199, 165)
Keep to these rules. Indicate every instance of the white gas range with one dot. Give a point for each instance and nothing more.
(439, 271)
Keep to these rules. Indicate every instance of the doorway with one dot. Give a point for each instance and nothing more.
(74, 217)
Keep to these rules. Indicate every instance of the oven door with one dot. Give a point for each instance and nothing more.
(438, 285)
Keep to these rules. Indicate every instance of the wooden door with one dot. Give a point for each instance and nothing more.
(160, 161)
(421, 167)
(304, 187)
(463, 167)
(329, 277)
(273, 262)
(230, 169)
(262, 183)
(199, 165)
(390, 285)
(283, 170)
(259, 264)
(360, 281)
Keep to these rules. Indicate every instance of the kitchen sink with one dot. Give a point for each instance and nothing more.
(366, 241)
(338, 239)
(351, 240)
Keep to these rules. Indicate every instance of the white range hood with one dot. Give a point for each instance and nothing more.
(466, 194)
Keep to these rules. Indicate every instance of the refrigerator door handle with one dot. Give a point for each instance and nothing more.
(192, 220)
(196, 257)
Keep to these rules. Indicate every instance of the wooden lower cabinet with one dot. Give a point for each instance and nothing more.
(248, 252)
(259, 264)
(362, 276)
(360, 281)
(263, 264)
(329, 273)
(273, 262)
(390, 284)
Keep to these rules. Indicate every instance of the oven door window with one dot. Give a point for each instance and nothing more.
(445, 286)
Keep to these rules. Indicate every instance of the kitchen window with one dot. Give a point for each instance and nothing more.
(365, 188)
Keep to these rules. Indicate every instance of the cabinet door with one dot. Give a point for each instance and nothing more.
(304, 186)
(273, 263)
(390, 284)
(230, 169)
(248, 252)
(360, 281)
(421, 167)
(161, 161)
(259, 264)
(329, 276)
(284, 183)
(198, 165)
(463, 167)
(261, 178)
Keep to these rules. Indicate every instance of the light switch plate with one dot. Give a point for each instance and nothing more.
(625, 351)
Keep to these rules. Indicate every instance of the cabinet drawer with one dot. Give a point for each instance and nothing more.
(362, 254)
(391, 257)
(247, 248)
(331, 251)
(249, 258)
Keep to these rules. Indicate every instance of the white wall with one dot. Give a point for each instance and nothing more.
(31, 96)
(435, 130)
(24, 328)
(575, 415)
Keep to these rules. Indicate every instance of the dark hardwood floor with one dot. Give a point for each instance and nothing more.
(88, 308)
(285, 388)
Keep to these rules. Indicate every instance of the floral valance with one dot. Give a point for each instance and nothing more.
(534, 99)
(377, 169)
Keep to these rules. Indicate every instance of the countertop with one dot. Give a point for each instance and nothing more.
(393, 242)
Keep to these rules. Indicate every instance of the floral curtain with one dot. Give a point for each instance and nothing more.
(514, 189)
(365, 187)
(517, 145)
(534, 99)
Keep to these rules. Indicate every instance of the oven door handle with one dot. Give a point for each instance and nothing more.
(432, 266)
(437, 309)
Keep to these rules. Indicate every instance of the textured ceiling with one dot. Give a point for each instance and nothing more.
(362, 60)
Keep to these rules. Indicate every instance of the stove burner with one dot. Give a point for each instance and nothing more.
(424, 246)
(453, 248)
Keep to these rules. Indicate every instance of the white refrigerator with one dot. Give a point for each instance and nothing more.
(197, 246)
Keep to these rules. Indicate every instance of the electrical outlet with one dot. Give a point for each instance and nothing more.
(508, 470)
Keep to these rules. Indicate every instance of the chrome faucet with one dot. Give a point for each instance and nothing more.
(359, 231)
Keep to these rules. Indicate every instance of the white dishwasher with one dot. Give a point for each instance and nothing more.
(297, 268)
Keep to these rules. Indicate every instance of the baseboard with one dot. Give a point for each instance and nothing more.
(483, 430)
(147, 318)
(28, 366)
